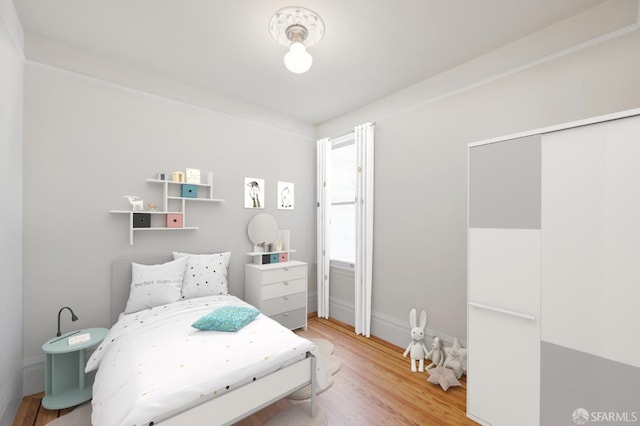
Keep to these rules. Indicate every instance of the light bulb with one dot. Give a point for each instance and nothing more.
(298, 60)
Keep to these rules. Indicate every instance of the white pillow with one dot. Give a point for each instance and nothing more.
(155, 285)
(205, 275)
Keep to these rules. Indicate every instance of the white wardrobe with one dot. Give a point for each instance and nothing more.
(554, 274)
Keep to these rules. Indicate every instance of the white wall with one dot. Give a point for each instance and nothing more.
(11, 82)
(421, 165)
(87, 143)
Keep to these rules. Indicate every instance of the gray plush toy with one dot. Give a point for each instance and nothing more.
(436, 354)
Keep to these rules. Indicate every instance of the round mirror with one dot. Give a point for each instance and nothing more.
(263, 228)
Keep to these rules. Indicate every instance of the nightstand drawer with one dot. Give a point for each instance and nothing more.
(283, 274)
(284, 288)
(292, 319)
(284, 303)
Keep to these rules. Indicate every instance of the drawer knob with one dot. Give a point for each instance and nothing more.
(286, 314)
(285, 298)
(285, 282)
(285, 269)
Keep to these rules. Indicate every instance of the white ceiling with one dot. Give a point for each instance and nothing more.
(371, 48)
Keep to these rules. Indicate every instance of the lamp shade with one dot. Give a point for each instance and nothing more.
(298, 60)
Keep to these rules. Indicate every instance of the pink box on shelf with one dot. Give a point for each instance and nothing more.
(174, 220)
(284, 257)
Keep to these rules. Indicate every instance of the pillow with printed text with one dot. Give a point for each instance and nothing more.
(155, 285)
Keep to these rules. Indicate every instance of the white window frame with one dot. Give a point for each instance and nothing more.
(348, 139)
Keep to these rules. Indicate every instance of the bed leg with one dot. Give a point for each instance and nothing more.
(313, 386)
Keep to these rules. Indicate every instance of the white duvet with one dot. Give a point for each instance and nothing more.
(153, 364)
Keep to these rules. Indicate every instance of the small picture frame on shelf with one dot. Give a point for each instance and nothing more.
(286, 195)
(193, 176)
(253, 193)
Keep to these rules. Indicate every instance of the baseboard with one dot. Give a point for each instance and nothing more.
(33, 374)
(312, 301)
(384, 326)
(10, 399)
(477, 420)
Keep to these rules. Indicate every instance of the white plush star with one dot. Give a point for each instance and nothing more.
(443, 376)
(456, 358)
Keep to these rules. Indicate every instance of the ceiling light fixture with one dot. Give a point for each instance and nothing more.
(297, 28)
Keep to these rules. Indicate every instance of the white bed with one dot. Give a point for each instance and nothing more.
(132, 383)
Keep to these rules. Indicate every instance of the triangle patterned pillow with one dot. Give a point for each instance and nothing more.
(205, 274)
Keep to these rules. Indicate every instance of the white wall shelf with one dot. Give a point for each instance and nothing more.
(145, 211)
(171, 195)
(259, 256)
(257, 253)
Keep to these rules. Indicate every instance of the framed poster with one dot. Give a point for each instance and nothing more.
(286, 192)
(253, 193)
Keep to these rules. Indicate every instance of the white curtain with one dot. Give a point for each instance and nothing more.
(323, 225)
(364, 228)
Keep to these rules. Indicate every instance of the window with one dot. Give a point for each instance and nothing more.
(345, 236)
(343, 202)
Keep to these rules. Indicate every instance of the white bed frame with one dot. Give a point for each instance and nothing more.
(234, 405)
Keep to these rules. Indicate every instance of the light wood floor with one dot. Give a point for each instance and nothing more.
(375, 386)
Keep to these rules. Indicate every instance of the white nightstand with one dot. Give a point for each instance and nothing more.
(278, 290)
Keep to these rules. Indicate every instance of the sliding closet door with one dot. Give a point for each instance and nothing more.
(504, 337)
(591, 270)
(504, 282)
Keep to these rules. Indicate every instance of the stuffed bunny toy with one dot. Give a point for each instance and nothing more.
(417, 348)
(436, 354)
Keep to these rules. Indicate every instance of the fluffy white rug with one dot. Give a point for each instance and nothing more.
(325, 346)
(299, 414)
(80, 416)
(332, 365)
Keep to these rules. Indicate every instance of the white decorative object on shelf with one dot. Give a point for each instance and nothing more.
(170, 195)
(284, 237)
(137, 204)
(177, 177)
